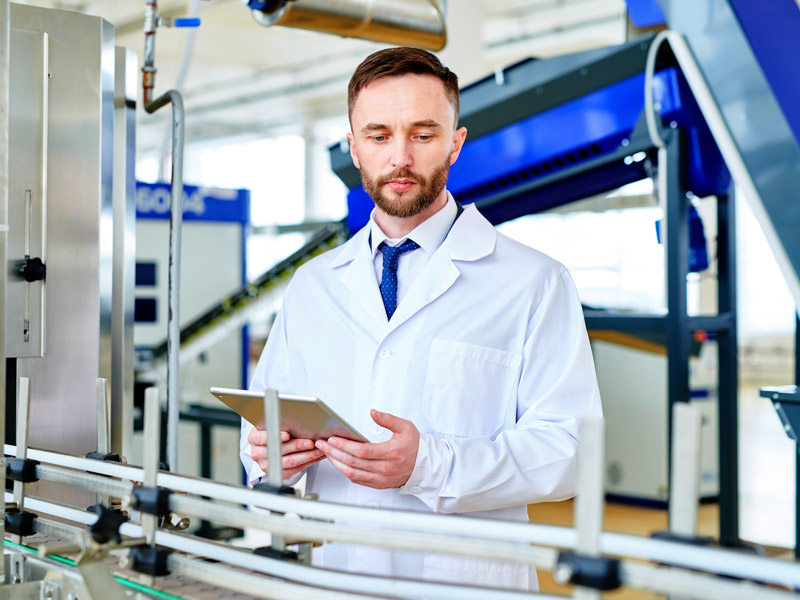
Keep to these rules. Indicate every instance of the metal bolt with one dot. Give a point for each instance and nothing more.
(673, 124)
(626, 142)
(563, 573)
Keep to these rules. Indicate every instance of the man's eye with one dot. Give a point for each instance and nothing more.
(424, 138)
(379, 138)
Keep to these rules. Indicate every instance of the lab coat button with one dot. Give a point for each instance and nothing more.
(416, 490)
(385, 353)
(373, 504)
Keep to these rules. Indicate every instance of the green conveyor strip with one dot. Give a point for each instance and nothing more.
(126, 582)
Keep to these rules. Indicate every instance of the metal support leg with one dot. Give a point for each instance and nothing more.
(684, 492)
(589, 504)
(23, 420)
(152, 434)
(272, 421)
(103, 427)
(728, 374)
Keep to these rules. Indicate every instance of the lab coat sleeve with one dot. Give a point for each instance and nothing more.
(272, 372)
(535, 460)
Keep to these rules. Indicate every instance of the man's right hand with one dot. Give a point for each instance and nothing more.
(298, 454)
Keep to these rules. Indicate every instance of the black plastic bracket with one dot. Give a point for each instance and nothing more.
(597, 572)
(107, 525)
(151, 560)
(104, 456)
(282, 490)
(152, 500)
(20, 523)
(22, 469)
(271, 552)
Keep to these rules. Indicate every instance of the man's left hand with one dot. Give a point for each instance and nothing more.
(381, 466)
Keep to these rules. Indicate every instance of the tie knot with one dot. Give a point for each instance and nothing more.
(391, 254)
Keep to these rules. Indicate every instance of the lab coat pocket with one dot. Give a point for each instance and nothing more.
(468, 388)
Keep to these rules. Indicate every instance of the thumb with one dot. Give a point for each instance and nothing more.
(391, 422)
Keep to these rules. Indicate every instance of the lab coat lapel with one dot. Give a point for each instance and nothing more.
(434, 280)
(471, 238)
(358, 276)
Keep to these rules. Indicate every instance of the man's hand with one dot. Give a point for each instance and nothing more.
(380, 466)
(298, 454)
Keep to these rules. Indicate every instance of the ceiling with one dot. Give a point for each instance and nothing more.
(244, 79)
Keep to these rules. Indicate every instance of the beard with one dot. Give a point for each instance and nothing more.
(406, 204)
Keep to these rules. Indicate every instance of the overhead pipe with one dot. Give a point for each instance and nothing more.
(401, 22)
(151, 23)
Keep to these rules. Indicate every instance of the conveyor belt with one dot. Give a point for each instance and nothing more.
(236, 309)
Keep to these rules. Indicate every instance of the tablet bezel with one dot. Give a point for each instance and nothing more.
(250, 406)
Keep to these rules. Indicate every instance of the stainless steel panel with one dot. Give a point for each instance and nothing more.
(27, 196)
(124, 251)
(79, 228)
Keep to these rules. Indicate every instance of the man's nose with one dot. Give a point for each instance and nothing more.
(401, 154)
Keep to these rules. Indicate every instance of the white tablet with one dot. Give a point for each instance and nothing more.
(302, 416)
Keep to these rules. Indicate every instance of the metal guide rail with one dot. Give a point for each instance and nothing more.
(140, 528)
(236, 309)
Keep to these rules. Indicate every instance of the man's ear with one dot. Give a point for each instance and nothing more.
(458, 142)
(353, 154)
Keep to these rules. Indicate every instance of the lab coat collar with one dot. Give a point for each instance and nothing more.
(471, 238)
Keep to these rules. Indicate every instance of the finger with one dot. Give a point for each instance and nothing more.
(391, 422)
(353, 474)
(296, 445)
(363, 450)
(298, 459)
(258, 437)
(287, 473)
(345, 457)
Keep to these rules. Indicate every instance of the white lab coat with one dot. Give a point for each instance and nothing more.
(487, 354)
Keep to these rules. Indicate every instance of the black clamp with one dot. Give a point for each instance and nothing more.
(19, 522)
(107, 525)
(104, 456)
(151, 560)
(597, 572)
(280, 490)
(32, 269)
(152, 500)
(271, 552)
(22, 469)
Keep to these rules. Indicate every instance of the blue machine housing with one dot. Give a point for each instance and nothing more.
(499, 166)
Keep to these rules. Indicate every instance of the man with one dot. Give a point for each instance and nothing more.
(461, 354)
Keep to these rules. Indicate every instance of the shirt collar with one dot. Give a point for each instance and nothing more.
(429, 234)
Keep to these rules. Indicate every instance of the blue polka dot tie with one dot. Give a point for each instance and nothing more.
(391, 254)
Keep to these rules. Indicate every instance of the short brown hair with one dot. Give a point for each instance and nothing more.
(401, 61)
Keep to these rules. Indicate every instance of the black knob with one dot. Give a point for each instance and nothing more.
(32, 269)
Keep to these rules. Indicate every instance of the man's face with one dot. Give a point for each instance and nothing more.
(404, 141)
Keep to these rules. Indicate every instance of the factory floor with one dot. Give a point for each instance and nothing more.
(622, 519)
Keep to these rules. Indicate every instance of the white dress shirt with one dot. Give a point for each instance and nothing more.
(429, 235)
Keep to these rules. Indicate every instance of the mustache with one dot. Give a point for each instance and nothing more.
(403, 173)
